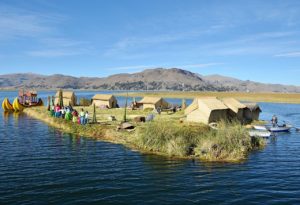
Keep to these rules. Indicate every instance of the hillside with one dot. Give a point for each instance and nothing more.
(150, 79)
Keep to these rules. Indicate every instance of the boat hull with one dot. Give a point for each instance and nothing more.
(18, 107)
(279, 128)
(259, 127)
(39, 103)
(260, 133)
(6, 105)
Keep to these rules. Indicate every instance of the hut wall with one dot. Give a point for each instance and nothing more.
(203, 107)
(197, 116)
(66, 101)
(99, 103)
(255, 114)
(191, 107)
(146, 105)
(240, 115)
(217, 115)
(248, 115)
(114, 102)
(251, 115)
(109, 102)
(163, 104)
(232, 115)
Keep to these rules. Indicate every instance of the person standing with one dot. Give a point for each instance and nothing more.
(57, 110)
(63, 112)
(82, 115)
(86, 117)
(158, 110)
(274, 120)
(75, 116)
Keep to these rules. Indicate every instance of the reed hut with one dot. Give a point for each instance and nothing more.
(69, 98)
(253, 111)
(236, 109)
(106, 100)
(206, 110)
(153, 103)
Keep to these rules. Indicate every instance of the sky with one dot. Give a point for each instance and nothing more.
(249, 40)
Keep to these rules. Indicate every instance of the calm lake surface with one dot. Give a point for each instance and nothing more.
(40, 165)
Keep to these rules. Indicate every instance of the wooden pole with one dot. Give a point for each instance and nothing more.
(94, 120)
(125, 109)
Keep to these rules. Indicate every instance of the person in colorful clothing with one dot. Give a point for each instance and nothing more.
(82, 116)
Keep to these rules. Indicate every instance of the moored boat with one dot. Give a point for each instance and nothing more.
(280, 128)
(260, 133)
(259, 127)
(29, 99)
(17, 105)
(6, 105)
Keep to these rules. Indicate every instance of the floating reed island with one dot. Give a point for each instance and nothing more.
(161, 128)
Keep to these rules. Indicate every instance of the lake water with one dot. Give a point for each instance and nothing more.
(40, 165)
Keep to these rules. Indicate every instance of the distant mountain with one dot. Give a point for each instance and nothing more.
(150, 79)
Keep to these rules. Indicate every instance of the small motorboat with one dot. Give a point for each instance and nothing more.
(280, 128)
(260, 133)
(259, 127)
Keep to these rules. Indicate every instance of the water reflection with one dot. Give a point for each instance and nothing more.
(72, 140)
(6, 115)
(18, 117)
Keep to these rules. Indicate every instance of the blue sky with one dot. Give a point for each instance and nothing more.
(249, 40)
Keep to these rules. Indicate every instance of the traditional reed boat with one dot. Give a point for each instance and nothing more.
(24, 99)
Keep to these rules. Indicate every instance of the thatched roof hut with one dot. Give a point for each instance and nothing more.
(206, 110)
(237, 109)
(153, 102)
(253, 111)
(106, 100)
(69, 98)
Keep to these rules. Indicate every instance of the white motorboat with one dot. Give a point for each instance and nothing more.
(280, 128)
(259, 127)
(260, 133)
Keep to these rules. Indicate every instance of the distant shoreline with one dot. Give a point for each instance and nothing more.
(290, 98)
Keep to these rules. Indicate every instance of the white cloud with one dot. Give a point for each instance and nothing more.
(264, 43)
(128, 44)
(59, 47)
(54, 53)
(16, 23)
(289, 54)
(42, 29)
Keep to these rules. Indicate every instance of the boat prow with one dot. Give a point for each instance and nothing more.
(17, 105)
(6, 105)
